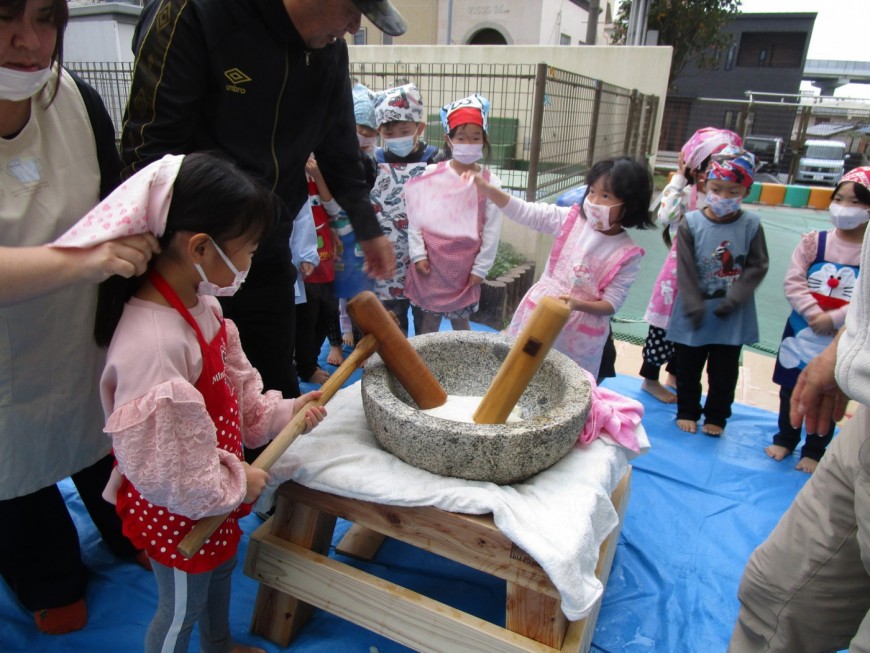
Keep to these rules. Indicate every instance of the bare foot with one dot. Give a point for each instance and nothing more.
(335, 357)
(777, 452)
(347, 338)
(658, 391)
(241, 648)
(671, 382)
(807, 465)
(713, 430)
(319, 377)
(688, 425)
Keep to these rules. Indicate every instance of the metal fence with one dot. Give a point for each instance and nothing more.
(790, 117)
(548, 126)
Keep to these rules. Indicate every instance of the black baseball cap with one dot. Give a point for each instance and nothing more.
(384, 15)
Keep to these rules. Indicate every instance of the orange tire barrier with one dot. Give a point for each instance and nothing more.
(772, 194)
(820, 198)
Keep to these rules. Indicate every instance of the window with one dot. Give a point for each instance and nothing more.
(729, 56)
(771, 49)
(730, 120)
(360, 37)
(564, 39)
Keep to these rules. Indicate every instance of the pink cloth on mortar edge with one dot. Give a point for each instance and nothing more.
(612, 417)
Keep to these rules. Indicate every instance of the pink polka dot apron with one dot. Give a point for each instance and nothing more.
(154, 528)
(452, 229)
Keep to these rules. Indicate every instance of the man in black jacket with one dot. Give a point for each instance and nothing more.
(267, 83)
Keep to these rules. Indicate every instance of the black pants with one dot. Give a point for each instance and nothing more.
(399, 308)
(789, 436)
(607, 368)
(723, 366)
(314, 319)
(40, 557)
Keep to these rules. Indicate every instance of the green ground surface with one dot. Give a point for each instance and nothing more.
(783, 227)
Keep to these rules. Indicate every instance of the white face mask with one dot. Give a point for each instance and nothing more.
(366, 142)
(401, 146)
(598, 215)
(206, 287)
(721, 206)
(467, 153)
(848, 217)
(17, 85)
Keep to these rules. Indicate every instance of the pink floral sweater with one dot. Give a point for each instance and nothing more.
(163, 438)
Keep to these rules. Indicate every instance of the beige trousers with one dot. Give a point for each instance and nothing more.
(806, 589)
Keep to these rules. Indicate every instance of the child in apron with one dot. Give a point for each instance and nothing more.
(180, 395)
(593, 261)
(684, 193)
(453, 229)
(818, 285)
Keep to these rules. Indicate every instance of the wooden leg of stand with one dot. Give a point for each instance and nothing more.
(535, 615)
(279, 616)
(360, 542)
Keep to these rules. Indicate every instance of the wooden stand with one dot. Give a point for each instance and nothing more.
(287, 555)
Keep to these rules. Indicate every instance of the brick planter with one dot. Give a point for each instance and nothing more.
(500, 297)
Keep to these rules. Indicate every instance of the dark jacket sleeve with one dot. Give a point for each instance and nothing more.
(754, 271)
(338, 156)
(104, 136)
(169, 74)
(687, 275)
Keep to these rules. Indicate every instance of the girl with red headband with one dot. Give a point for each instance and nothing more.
(818, 285)
(453, 229)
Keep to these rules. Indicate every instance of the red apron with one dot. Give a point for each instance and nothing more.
(155, 529)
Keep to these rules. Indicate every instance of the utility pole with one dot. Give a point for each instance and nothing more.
(449, 22)
(592, 24)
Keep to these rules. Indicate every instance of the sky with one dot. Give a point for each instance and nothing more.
(841, 31)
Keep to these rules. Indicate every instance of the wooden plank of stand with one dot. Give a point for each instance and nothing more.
(360, 542)
(380, 606)
(472, 540)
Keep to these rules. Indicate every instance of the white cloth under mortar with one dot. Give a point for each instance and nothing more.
(560, 516)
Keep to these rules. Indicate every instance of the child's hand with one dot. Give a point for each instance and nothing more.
(696, 316)
(471, 177)
(681, 165)
(422, 267)
(474, 280)
(573, 303)
(315, 414)
(822, 324)
(306, 269)
(312, 169)
(255, 481)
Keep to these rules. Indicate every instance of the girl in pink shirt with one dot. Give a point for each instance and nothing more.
(180, 395)
(818, 284)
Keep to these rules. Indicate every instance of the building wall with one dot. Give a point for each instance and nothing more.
(520, 22)
(101, 32)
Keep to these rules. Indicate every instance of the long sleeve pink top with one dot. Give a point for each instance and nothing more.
(796, 287)
(163, 437)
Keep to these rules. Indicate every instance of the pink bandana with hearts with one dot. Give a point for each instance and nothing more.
(139, 205)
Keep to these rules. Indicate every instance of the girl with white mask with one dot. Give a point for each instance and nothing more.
(593, 261)
(453, 229)
(57, 159)
(818, 284)
(180, 396)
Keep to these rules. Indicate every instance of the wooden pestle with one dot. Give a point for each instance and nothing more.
(206, 526)
(523, 360)
(398, 354)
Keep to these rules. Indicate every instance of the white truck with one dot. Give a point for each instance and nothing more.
(821, 163)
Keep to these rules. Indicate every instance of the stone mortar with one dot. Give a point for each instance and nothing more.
(554, 407)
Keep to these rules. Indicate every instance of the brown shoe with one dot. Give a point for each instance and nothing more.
(65, 619)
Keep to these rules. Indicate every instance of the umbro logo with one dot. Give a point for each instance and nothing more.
(236, 77)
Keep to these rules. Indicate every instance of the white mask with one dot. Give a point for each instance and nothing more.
(848, 217)
(401, 146)
(598, 215)
(206, 287)
(366, 142)
(721, 206)
(467, 153)
(17, 85)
